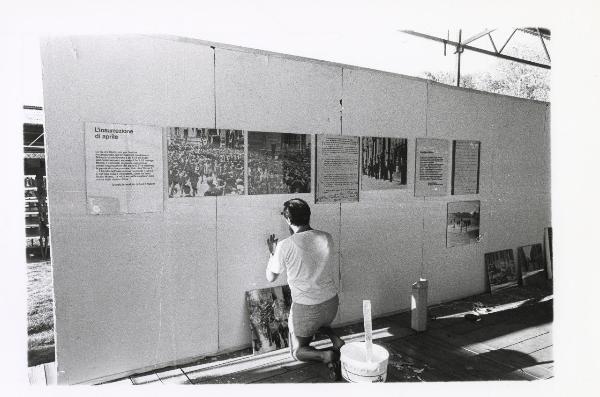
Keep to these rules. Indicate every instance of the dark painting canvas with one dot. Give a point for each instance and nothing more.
(501, 269)
(268, 310)
(531, 262)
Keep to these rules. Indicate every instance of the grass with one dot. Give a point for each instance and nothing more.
(40, 313)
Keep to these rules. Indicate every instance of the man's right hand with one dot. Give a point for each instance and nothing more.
(272, 243)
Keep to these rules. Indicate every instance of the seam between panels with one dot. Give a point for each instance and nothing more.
(216, 206)
(341, 104)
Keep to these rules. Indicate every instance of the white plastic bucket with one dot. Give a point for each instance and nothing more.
(355, 367)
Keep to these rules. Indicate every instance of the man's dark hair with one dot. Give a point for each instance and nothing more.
(297, 211)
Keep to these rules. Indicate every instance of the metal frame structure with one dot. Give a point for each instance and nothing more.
(461, 46)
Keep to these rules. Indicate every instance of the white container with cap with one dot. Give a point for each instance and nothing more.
(418, 305)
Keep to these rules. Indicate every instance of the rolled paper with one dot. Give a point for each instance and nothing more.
(368, 329)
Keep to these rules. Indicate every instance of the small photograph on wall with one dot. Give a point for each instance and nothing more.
(501, 270)
(462, 225)
(205, 162)
(530, 259)
(268, 309)
(383, 163)
(278, 163)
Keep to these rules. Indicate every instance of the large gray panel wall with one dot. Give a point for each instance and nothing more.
(132, 291)
(514, 183)
(382, 233)
(143, 290)
(272, 94)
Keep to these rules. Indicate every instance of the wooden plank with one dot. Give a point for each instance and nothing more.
(50, 373)
(464, 363)
(119, 382)
(225, 360)
(294, 365)
(483, 339)
(544, 356)
(37, 375)
(316, 379)
(509, 312)
(518, 361)
(399, 371)
(249, 376)
(501, 335)
(431, 363)
(445, 358)
(173, 376)
(499, 358)
(222, 367)
(404, 368)
(207, 375)
(530, 345)
(297, 375)
(144, 379)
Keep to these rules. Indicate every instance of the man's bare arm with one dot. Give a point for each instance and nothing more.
(271, 276)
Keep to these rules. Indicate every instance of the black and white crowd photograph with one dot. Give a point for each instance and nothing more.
(205, 162)
(278, 163)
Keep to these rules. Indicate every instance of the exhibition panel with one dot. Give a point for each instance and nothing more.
(118, 279)
(282, 103)
(272, 93)
(381, 248)
(168, 162)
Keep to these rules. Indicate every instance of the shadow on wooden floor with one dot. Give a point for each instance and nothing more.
(505, 336)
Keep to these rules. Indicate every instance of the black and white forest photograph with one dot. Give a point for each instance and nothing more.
(384, 163)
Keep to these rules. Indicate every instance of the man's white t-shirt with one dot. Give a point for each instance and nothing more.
(307, 258)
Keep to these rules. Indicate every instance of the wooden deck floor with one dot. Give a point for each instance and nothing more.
(511, 341)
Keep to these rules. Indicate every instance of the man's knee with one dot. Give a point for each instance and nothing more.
(297, 343)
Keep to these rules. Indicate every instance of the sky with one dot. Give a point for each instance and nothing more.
(390, 50)
(331, 31)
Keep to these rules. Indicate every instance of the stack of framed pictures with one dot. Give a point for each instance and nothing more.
(532, 268)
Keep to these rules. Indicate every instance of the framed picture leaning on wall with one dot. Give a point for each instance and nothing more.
(530, 259)
(501, 270)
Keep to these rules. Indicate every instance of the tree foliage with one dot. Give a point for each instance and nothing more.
(509, 78)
